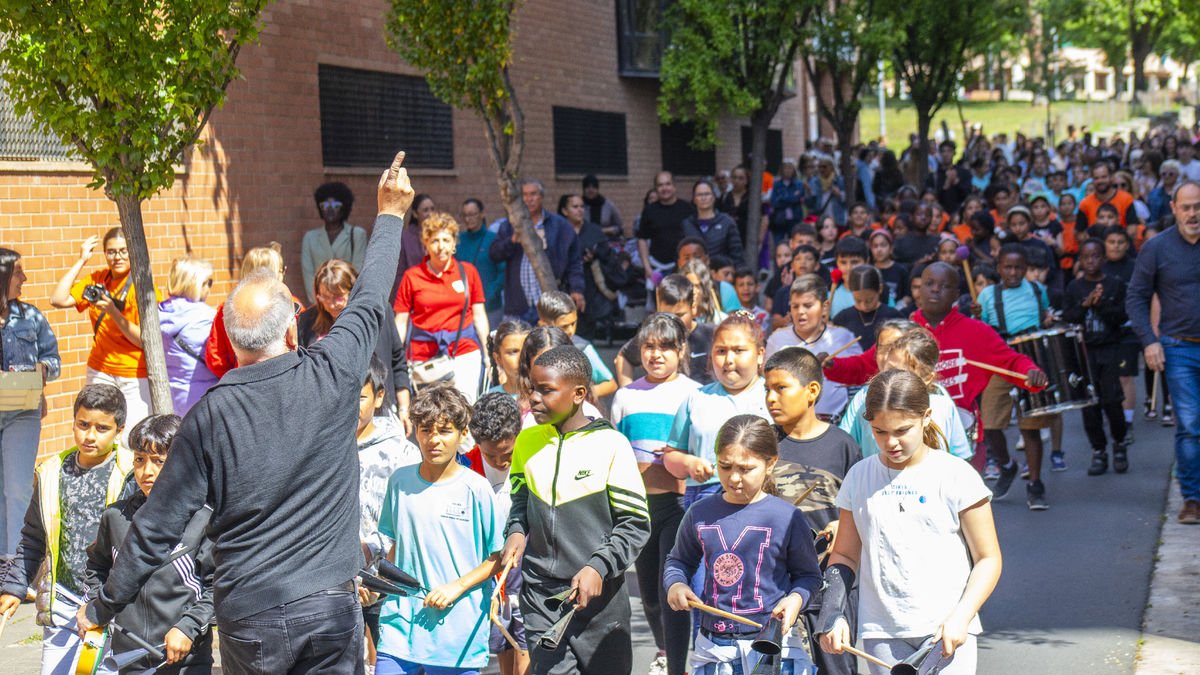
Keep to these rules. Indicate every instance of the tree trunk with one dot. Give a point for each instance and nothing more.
(130, 209)
(845, 139)
(921, 156)
(522, 222)
(1139, 50)
(759, 123)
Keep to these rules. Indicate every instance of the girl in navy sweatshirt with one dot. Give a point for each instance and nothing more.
(756, 552)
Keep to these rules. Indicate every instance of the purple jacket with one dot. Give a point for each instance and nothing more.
(185, 326)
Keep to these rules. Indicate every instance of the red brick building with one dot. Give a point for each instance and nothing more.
(324, 99)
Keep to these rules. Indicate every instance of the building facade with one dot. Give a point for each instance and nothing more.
(322, 98)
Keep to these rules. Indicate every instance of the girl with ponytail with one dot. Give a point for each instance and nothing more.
(916, 529)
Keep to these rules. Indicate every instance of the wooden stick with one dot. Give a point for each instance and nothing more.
(844, 347)
(970, 279)
(1154, 392)
(857, 652)
(996, 369)
(695, 604)
(804, 495)
(3, 622)
(494, 610)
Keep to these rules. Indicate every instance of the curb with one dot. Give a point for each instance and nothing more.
(1170, 641)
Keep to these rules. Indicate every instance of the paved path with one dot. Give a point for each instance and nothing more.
(1172, 626)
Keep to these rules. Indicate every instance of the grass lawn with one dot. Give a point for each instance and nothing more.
(997, 116)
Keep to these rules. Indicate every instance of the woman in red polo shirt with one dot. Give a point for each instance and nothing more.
(440, 299)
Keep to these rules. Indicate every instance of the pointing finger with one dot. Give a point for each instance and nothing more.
(394, 171)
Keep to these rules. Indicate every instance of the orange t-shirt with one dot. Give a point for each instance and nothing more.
(963, 232)
(112, 353)
(1122, 200)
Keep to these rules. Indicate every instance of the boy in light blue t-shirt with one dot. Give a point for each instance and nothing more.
(446, 532)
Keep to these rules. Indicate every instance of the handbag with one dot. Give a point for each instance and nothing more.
(441, 367)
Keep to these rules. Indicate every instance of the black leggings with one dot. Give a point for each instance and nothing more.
(672, 630)
(1164, 394)
(1106, 378)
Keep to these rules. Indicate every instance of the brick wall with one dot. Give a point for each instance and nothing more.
(252, 180)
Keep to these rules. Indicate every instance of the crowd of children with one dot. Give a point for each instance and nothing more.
(760, 456)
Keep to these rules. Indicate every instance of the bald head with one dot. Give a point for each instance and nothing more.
(258, 315)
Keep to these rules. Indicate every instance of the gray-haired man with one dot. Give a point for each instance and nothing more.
(271, 449)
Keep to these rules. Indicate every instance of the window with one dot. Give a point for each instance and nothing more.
(20, 141)
(640, 37)
(774, 147)
(589, 141)
(679, 157)
(1101, 82)
(366, 116)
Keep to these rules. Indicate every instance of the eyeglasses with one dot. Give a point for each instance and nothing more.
(208, 283)
(331, 204)
(117, 253)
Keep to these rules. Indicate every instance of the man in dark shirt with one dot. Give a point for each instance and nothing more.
(271, 450)
(661, 226)
(951, 182)
(1169, 266)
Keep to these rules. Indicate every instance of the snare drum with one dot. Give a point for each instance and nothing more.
(970, 424)
(1061, 354)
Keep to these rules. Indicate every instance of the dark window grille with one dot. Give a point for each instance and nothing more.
(589, 141)
(774, 147)
(366, 116)
(679, 157)
(640, 37)
(21, 141)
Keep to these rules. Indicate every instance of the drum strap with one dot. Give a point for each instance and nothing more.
(998, 306)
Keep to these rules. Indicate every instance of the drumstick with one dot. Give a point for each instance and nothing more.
(843, 347)
(696, 604)
(804, 495)
(494, 610)
(964, 255)
(1154, 393)
(996, 369)
(877, 661)
(3, 622)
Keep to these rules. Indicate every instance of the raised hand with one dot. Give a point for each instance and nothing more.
(395, 191)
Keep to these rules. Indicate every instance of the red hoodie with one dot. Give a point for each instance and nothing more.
(960, 338)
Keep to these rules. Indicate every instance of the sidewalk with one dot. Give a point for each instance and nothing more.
(1171, 628)
(21, 644)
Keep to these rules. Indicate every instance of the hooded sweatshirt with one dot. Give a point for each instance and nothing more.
(379, 455)
(185, 327)
(960, 339)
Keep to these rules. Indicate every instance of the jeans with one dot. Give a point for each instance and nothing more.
(60, 649)
(19, 434)
(319, 633)
(137, 397)
(1183, 376)
(391, 665)
(734, 667)
(672, 630)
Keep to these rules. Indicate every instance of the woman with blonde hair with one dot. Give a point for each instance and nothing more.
(707, 303)
(218, 353)
(440, 312)
(186, 321)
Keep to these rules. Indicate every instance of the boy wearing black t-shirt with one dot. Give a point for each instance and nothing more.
(814, 457)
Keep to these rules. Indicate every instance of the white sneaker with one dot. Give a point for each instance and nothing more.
(658, 666)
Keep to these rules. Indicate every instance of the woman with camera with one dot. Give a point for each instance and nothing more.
(110, 300)
(440, 309)
(26, 342)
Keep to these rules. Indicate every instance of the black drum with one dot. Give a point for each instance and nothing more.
(1061, 354)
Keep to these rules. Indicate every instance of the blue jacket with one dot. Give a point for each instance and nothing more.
(473, 248)
(818, 200)
(562, 248)
(1159, 203)
(28, 341)
(786, 195)
(185, 327)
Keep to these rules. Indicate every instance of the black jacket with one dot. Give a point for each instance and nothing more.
(271, 449)
(722, 238)
(1103, 322)
(177, 595)
(388, 348)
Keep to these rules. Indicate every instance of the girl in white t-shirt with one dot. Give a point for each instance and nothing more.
(912, 521)
(644, 412)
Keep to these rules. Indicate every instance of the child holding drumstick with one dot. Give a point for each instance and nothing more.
(916, 529)
(755, 550)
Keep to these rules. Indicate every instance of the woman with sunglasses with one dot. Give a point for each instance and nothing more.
(186, 320)
(110, 299)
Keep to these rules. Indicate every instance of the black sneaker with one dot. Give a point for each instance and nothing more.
(1120, 459)
(1008, 474)
(1035, 496)
(1168, 417)
(1148, 412)
(1099, 463)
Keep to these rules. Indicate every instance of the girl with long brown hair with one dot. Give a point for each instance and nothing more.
(916, 529)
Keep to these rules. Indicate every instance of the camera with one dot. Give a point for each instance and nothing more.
(94, 292)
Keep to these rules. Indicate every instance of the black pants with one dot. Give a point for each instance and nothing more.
(672, 630)
(1164, 394)
(1104, 360)
(319, 633)
(597, 640)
